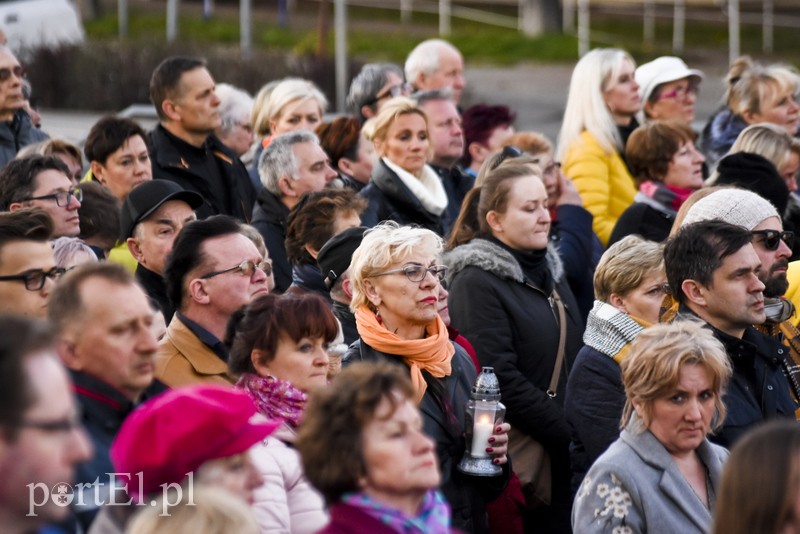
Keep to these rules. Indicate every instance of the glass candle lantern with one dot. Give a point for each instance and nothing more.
(483, 413)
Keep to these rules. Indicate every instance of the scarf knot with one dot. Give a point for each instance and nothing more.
(275, 398)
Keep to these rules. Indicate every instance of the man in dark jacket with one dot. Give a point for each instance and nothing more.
(447, 140)
(292, 165)
(104, 322)
(183, 147)
(153, 215)
(712, 269)
(16, 128)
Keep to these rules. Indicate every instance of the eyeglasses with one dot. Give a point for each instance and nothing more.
(5, 72)
(35, 278)
(680, 93)
(416, 273)
(247, 268)
(396, 90)
(63, 198)
(508, 152)
(773, 238)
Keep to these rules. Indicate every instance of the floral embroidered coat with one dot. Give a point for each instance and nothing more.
(635, 486)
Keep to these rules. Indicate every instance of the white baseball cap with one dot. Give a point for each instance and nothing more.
(663, 70)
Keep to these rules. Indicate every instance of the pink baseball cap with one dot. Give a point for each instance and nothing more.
(175, 433)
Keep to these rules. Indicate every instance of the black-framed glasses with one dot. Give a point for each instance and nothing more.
(247, 268)
(35, 278)
(509, 152)
(772, 238)
(62, 198)
(396, 90)
(416, 273)
(18, 71)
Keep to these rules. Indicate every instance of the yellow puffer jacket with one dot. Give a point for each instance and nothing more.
(603, 181)
(793, 293)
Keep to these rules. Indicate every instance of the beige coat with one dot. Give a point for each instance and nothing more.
(183, 359)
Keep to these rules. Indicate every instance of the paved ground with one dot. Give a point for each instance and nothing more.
(537, 92)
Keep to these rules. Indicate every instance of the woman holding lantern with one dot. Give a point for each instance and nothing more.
(395, 275)
(509, 296)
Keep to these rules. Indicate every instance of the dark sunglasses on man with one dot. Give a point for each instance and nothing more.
(5, 72)
(772, 238)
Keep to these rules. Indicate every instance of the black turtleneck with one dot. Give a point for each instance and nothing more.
(533, 264)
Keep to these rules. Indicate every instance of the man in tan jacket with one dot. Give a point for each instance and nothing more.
(213, 271)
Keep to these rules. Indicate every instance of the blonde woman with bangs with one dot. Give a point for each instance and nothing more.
(662, 475)
(601, 107)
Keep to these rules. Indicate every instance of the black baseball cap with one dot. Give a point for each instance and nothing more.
(335, 255)
(147, 197)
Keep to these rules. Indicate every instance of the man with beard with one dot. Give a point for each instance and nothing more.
(713, 272)
(773, 247)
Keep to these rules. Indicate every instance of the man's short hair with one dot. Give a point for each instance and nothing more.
(20, 338)
(698, 249)
(278, 159)
(65, 306)
(108, 135)
(29, 224)
(187, 252)
(433, 95)
(425, 58)
(18, 177)
(166, 79)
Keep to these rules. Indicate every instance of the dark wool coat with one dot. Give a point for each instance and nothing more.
(388, 199)
(269, 218)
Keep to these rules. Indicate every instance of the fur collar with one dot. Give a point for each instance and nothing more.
(487, 256)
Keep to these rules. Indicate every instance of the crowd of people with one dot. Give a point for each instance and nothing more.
(255, 319)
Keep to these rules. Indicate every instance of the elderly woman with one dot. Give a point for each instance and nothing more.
(63, 150)
(662, 474)
(759, 491)
(404, 188)
(602, 103)
(509, 297)
(70, 252)
(209, 447)
(755, 93)
(668, 167)
(278, 349)
(235, 111)
(364, 446)
(352, 154)
(395, 275)
(668, 88)
(629, 284)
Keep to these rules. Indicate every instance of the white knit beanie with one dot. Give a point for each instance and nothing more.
(734, 206)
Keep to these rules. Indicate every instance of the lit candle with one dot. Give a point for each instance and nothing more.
(482, 431)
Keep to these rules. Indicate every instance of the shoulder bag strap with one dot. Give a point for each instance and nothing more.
(562, 341)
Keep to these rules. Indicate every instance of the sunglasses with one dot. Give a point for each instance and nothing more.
(5, 72)
(772, 238)
(509, 152)
(401, 89)
(246, 268)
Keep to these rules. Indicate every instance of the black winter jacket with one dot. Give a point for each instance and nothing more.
(269, 217)
(466, 495)
(388, 199)
(227, 177)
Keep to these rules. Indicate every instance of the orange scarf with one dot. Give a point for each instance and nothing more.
(432, 354)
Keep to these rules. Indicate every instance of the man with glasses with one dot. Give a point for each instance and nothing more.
(376, 84)
(27, 269)
(42, 182)
(104, 323)
(713, 272)
(153, 215)
(41, 439)
(16, 128)
(212, 272)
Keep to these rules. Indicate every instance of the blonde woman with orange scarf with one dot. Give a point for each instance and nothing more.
(395, 276)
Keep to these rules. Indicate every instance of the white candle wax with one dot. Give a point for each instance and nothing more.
(481, 432)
